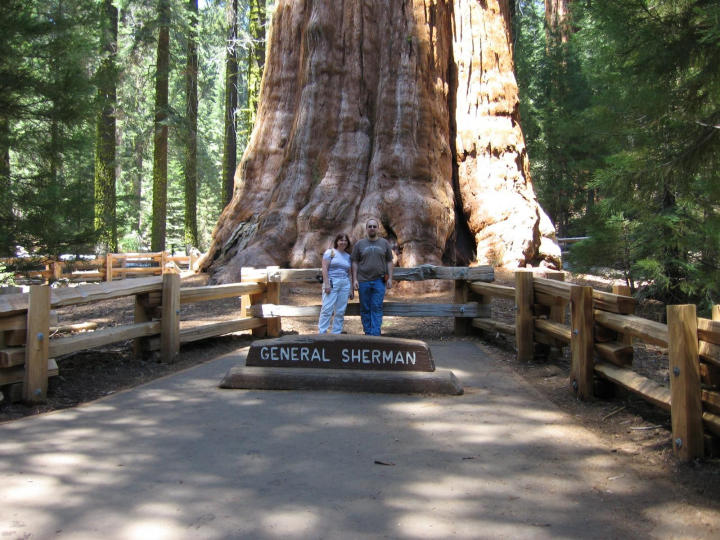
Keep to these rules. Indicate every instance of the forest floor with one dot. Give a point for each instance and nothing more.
(629, 425)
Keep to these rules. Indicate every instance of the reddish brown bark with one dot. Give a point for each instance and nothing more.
(360, 111)
(557, 18)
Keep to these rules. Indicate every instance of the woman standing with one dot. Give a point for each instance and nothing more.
(336, 289)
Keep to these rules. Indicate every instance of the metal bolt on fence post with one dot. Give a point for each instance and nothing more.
(678, 442)
(576, 332)
(40, 336)
(676, 371)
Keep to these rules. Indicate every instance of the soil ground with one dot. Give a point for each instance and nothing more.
(632, 427)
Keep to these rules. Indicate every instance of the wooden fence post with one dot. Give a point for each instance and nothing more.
(56, 270)
(581, 341)
(524, 322)
(462, 296)
(108, 267)
(685, 400)
(170, 322)
(623, 290)
(272, 296)
(252, 299)
(35, 383)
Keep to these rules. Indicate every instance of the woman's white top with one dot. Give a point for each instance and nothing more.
(339, 263)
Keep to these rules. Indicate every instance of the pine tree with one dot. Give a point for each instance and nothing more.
(231, 102)
(105, 202)
(160, 140)
(657, 67)
(191, 111)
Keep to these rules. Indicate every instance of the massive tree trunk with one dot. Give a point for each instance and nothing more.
(402, 110)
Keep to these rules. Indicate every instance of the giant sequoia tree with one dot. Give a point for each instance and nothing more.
(403, 110)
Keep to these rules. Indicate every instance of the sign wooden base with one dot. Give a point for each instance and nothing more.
(441, 381)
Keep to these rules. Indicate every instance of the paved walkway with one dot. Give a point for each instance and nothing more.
(180, 458)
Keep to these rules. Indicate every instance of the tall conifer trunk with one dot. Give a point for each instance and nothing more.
(231, 102)
(105, 221)
(7, 247)
(160, 150)
(402, 110)
(191, 108)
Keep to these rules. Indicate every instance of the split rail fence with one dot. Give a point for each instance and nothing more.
(599, 328)
(110, 267)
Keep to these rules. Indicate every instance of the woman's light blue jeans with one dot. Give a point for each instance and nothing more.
(372, 294)
(334, 302)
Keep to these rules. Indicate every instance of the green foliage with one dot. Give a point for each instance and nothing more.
(6, 277)
(50, 72)
(624, 117)
(46, 137)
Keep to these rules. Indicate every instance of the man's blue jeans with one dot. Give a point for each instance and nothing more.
(372, 294)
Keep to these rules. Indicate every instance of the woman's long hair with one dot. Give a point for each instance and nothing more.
(342, 236)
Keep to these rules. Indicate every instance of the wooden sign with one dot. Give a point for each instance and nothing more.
(342, 352)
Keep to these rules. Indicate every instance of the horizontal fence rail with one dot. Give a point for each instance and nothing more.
(110, 267)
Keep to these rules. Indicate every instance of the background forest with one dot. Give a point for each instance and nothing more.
(144, 107)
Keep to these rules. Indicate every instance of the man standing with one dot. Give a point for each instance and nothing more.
(372, 267)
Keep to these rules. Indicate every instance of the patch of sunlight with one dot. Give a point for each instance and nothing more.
(163, 396)
(157, 529)
(463, 432)
(449, 487)
(411, 407)
(58, 462)
(424, 525)
(30, 489)
(134, 421)
(341, 421)
(292, 522)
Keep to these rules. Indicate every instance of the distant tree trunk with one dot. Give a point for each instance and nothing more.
(256, 58)
(105, 219)
(7, 247)
(159, 206)
(191, 108)
(231, 102)
(401, 110)
(557, 19)
(136, 194)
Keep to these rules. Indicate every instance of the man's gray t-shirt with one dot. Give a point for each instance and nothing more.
(372, 257)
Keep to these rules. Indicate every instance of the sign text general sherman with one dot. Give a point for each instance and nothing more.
(342, 352)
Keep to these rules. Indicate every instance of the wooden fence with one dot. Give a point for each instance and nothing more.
(599, 330)
(598, 327)
(110, 267)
